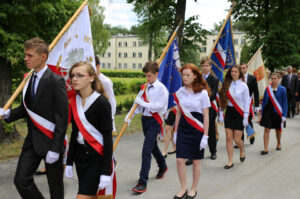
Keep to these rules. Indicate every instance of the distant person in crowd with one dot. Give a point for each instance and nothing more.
(45, 106)
(108, 87)
(294, 71)
(153, 104)
(191, 126)
(236, 99)
(169, 125)
(298, 97)
(91, 139)
(290, 82)
(274, 111)
(254, 95)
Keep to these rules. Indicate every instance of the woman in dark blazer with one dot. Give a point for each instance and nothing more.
(91, 139)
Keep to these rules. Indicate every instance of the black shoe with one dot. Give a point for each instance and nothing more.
(243, 159)
(182, 197)
(278, 148)
(140, 187)
(161, 173)
(228, 166)
(213, 156)
(236, 147)
(165, 156)
(188, 162)
(264, 152)
(171, 152)
(252, 140)
(191, 197)
(38, 173)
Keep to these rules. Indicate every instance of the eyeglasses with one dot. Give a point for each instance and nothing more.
(78, 76)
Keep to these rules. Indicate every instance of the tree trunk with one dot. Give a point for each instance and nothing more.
(5, 93)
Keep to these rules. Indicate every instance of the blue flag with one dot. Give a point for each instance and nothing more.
(168, 72)
(223, 56)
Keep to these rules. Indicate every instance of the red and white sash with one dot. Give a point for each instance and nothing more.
(111, 189)
(235, 102)
(274, 101)
(188, 116)
(214, 105)
(88, 131)
(251, 107)
(157, 116)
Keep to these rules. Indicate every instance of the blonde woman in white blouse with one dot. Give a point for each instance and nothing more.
(236, 100)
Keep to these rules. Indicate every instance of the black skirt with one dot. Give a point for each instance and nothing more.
(270, 119)
(233, 120)
(188, 139)
(171, 118)
(88, 167)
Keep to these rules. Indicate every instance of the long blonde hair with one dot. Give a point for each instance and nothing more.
(96, 84)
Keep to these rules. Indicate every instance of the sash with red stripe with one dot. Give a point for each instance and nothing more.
(111, 190)
(214, 105)
(235, 102)
(158, 117)
(251, 107)
(274, 101)
(88, 131)
(188, 116)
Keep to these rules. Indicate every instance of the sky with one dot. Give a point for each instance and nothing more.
(118, 12)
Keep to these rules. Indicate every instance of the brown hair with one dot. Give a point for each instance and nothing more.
(96, 84)
(199, 83)
(39, 45)
(151, 66)
(226, 84)
(205, 59)
(276, 74)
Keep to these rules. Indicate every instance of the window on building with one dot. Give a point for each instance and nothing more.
(108, 44)
(140, 43)
(236, 42)
(125, 55)
(134, 65)
(236, 54)
(108, 55)
(108, 65)
(204, 43)
(120, 55)
(119, 65)
(125, 43)
(214, 41)
(140, 55)
(120, 44)
(134, 44)
(125, 65)
(140, 66)
(203, 49)
(103, 65)
(103, 55)
(134, 55)
(243, 41)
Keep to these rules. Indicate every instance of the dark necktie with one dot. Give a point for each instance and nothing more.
(33, 86)
(151, 86)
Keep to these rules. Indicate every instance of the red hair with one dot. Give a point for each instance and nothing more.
(199, 83)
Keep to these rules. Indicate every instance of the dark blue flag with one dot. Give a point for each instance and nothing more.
(168, 72)
(223, 56)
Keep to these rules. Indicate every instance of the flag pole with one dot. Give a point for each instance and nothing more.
(135, 105)
(219, 34)
(249, 62)
(53, 43)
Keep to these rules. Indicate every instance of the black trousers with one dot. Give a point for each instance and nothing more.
(212, 141)
(291, 103)
(27, 166)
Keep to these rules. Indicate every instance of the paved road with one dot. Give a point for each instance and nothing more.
(276, 175)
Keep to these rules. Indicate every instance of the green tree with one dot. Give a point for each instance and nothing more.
(99, 33)
(276, 23)
(19, 21)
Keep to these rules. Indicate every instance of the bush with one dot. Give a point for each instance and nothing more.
(119, 108)
(119, 87)
(135, 85)
(128, 74)
(128, 103)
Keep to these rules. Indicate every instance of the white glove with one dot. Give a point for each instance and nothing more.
(245, 122)
(283, 119)
(52, 157)
(104, 181)
(203, 142)
(256, 110)
(4, 114)
(140, 102)
(175, 137)
(221, 117)
(69, 171)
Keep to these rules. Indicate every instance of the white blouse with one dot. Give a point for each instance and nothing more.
(193, 102)
(241, 92)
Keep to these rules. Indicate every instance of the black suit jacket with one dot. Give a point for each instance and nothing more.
(294, 83)
(51, 103)
(253, 89)
(213, 83)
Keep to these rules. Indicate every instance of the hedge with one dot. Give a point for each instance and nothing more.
(128, 74)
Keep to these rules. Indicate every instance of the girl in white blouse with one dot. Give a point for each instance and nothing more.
(191, 123)
(235, 98)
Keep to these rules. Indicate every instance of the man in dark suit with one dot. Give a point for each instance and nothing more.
(45, 106)
(253, 90)
(289, 81)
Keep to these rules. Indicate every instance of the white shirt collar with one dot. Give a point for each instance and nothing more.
(154, 84)
(206, 76)
(41, 72)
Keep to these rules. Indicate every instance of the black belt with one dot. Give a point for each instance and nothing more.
(147, 117)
